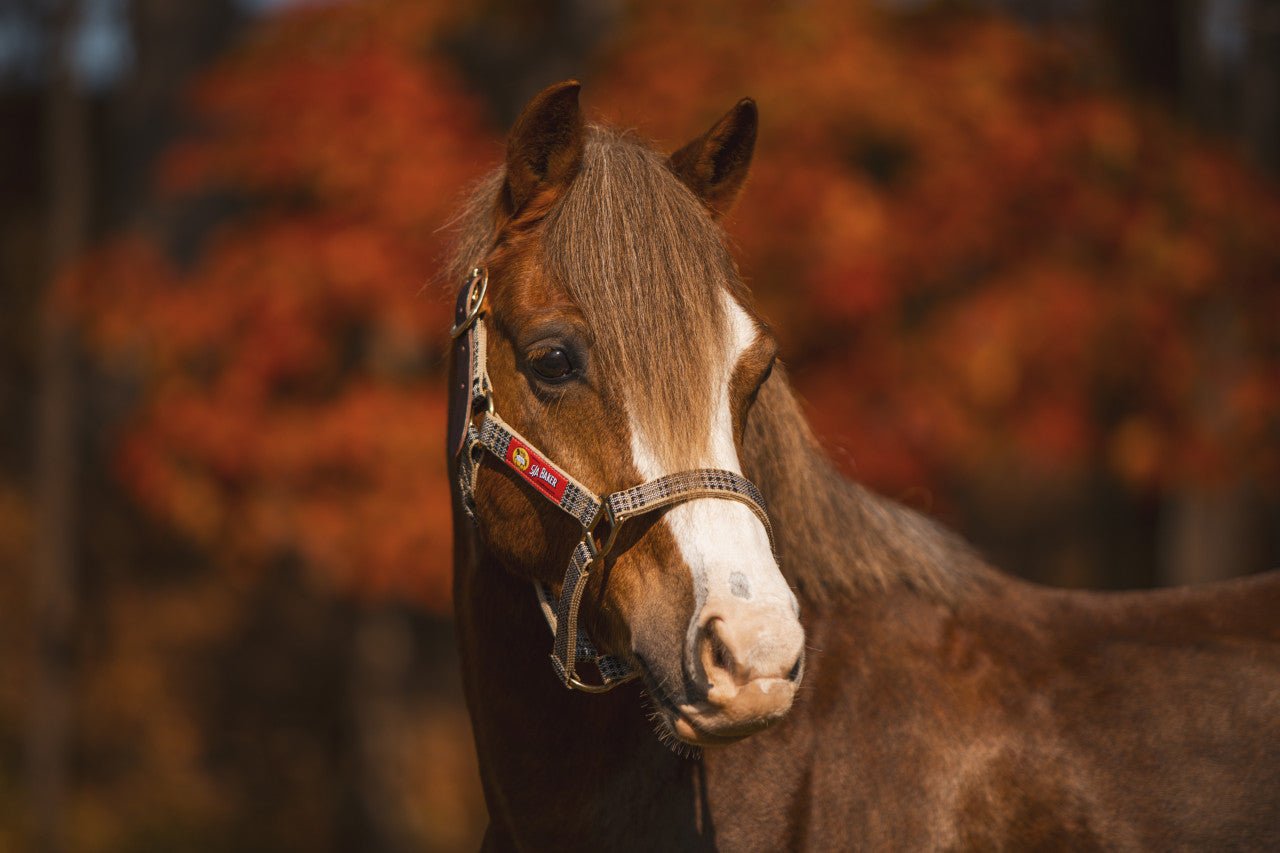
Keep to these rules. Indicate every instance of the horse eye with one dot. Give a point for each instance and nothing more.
(552, 364)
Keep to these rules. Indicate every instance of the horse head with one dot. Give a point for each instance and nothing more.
(622, 345)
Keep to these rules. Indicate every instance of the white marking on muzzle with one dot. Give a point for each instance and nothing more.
(723, 543)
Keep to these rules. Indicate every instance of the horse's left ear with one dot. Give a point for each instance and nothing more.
(715, 164)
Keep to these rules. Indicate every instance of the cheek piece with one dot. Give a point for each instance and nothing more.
(475, 430)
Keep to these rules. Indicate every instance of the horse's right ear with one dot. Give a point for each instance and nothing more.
(544, 149)
(715, 164)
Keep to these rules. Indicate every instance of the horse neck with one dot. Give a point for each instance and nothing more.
(535, 739)
(836, 539)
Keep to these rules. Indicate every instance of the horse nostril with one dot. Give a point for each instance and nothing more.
(719, 654)
(734, 651)
(718, 661)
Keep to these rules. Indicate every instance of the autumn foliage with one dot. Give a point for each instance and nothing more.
(292, 401)
(975, 256)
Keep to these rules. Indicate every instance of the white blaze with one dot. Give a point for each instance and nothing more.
(724, 544)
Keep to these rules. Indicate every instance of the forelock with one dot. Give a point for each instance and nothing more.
(645, 263)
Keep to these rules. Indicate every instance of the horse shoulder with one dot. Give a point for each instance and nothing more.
(1030, 717)
(1151, 719)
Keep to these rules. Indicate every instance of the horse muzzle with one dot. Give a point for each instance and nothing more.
(747, 666)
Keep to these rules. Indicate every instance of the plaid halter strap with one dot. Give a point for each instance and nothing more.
(475, 428)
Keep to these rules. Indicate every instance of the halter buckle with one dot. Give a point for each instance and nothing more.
(477, 286)
(604, 513)
(577, 684)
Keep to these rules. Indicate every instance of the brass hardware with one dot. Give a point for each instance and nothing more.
(604, 513)
(614, 527)
(576, 684)
(477, 287)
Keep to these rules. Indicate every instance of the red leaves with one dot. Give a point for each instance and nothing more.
(975, 260)
(955, 233)
(292, 404)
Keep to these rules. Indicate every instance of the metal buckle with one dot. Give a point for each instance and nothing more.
(614, 527)
(577, 684)
(477, 286)
(604, 513)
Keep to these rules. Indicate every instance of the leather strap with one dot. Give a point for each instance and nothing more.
(460, 383)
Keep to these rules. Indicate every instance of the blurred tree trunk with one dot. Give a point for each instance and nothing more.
(1146, 40)
(1230, 64)
(1208, 534)
(382, 663)
(1233, 72)
(534, 43)
(172, 42)
(54, 581)
(1260, 89)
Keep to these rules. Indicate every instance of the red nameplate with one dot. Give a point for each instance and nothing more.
(548, 479)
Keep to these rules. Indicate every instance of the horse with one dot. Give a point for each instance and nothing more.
(839, 673)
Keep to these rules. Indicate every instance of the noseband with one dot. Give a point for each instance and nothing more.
(474, 428)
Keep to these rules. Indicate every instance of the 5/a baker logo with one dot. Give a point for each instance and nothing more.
(541, 472)
(537, 471)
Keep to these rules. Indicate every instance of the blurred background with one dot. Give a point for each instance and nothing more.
(1023, 258)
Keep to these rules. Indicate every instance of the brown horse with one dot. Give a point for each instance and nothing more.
(943, 706)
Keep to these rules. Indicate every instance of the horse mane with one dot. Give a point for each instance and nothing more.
(836, 539)
(624, 243)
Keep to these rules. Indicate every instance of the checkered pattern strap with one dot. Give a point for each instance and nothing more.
(480, 388)
(501, 439)
(572, 645)
(687, 486)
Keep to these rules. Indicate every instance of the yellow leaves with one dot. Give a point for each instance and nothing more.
(137, 729)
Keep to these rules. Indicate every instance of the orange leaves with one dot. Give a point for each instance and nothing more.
(105, 288)
(377, 134)
(290, 403)
(951, 227)
(975, 260)
(355, 486)
(363, 119)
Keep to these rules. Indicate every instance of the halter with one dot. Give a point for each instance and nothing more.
(468, 440)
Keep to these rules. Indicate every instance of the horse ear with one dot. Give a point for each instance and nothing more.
(715, 164)
(544, 149)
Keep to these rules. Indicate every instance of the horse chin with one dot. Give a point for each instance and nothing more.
(687, 728)
(682, 725)
(705, 725)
